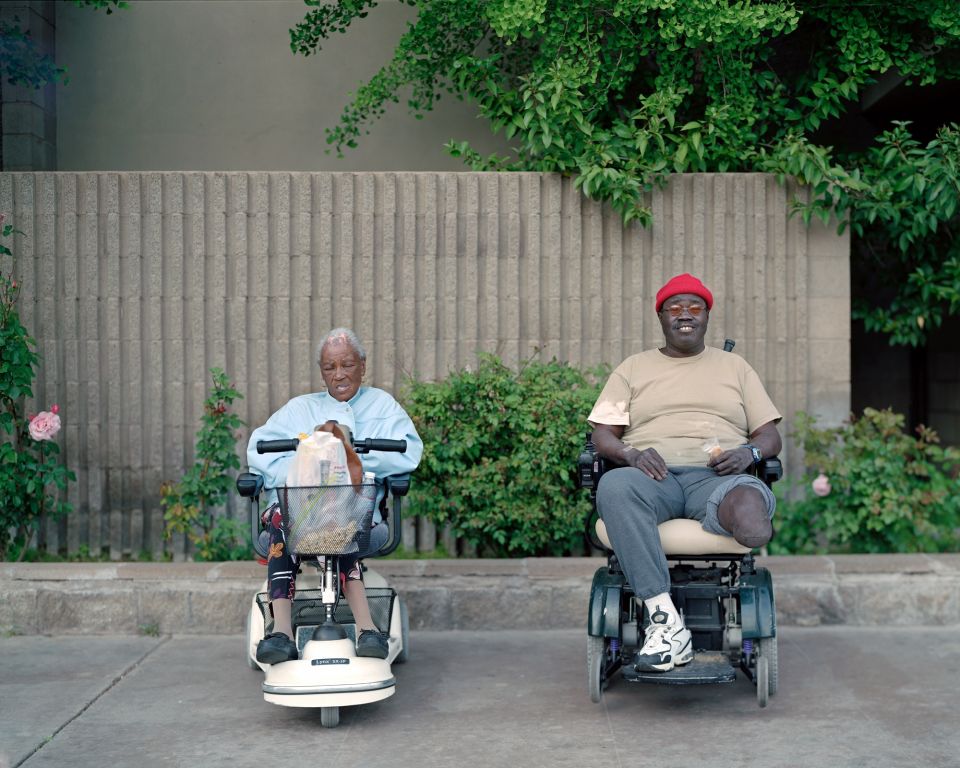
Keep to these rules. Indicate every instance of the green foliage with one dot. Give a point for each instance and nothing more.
(189, 505)
(889, 492)
(621, 93)
(98, 5)
(22, 63)
(402, 553)
(902, 205)
(499, 454)
(28, 468)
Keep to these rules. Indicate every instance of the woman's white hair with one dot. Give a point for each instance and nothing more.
(340, 335)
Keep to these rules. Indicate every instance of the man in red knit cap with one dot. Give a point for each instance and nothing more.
(685, 423)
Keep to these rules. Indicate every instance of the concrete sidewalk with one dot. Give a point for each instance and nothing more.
(530, 593)
(849, 698)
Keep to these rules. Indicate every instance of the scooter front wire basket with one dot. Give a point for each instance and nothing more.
(327, 519)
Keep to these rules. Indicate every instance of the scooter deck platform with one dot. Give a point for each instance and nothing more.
(706, 667)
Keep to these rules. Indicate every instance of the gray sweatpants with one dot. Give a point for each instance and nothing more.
(632, 505)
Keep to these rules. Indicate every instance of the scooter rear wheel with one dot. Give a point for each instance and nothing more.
(404, 634)
(329, 717)
(248, 642)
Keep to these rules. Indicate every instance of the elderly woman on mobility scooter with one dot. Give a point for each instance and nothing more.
(365, 411)
(683, 423)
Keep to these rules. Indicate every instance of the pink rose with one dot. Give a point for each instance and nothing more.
(44, 425)
(821, 485)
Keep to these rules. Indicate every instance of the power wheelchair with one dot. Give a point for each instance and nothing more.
(726, 600)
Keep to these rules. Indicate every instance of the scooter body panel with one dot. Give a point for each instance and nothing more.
(329, 673)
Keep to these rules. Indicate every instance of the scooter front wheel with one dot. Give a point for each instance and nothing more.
(329, 717)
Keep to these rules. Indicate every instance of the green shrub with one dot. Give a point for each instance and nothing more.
(500, 449)
(189, 505)
(888, 491)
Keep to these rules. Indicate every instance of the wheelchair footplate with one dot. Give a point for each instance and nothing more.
(706, 667)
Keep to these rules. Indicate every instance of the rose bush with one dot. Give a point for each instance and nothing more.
(32, 479)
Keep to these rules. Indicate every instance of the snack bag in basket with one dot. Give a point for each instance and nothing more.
(354, 466)
(321, 459)
(322, 483)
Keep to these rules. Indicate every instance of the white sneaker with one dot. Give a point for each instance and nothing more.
(665, 645)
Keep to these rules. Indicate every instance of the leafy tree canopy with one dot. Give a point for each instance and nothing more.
(620, 93)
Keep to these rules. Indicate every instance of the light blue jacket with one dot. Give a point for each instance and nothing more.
(369, 413)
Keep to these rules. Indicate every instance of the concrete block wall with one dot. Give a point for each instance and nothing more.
(135, 284)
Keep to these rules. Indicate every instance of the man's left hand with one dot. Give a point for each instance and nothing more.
(733, 462)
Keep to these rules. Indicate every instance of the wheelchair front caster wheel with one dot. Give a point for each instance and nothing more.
(767, 647)
(763, 681)
(329, 717)
(596, 664)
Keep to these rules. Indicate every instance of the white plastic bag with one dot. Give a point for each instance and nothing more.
(321, 459)
(324, 509)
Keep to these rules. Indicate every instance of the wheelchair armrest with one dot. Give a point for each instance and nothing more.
(770, 470)
(249, 484)
(591, 466)
(398, 485)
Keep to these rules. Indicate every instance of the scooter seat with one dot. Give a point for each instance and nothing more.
(686, 537)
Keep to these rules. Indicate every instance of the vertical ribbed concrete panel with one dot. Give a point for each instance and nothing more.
(136, 284)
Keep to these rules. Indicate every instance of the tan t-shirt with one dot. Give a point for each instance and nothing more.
(676, 404)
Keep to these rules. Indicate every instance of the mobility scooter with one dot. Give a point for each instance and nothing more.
(726, 600)
(323, 522)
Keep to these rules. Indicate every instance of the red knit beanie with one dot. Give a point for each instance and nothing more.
(684, 284)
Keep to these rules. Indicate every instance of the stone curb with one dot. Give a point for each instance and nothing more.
(531, 593)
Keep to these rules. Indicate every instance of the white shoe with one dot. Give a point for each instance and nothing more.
(665, 646)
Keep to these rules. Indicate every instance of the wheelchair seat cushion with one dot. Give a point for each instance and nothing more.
(686, 537)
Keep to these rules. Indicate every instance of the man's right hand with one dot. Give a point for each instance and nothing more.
(647, 461)
(607, 440)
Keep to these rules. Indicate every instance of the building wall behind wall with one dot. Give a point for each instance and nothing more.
(182, 84)
(28, 116)
(134, 285)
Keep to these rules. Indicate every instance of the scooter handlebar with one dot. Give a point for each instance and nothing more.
(277, 446)
(379, 444)
(360, 446)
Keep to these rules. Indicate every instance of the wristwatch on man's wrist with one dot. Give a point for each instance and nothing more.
(757, 456)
